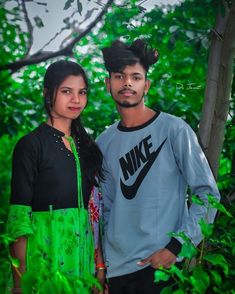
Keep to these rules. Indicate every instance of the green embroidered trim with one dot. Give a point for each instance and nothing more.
(78, 168)
(86, 258)
(19, 221)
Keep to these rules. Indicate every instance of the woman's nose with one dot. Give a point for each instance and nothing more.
(76, 98)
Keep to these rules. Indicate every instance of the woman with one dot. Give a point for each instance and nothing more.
(53, 174)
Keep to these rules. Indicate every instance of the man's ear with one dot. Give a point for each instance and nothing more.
(107, 83)
(147, 86)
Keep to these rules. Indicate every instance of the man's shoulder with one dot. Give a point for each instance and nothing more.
(108, 133)
(172, 120)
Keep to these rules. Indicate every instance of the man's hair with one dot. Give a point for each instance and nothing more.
(119, 55)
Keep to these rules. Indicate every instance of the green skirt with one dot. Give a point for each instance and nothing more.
(60, 249)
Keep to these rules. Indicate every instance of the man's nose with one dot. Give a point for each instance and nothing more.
(127, 81)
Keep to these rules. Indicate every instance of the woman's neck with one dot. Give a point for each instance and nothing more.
(63, 126)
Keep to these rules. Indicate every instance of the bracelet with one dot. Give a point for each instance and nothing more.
(100, 266)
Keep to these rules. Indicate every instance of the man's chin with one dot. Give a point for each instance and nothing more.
(126, 104)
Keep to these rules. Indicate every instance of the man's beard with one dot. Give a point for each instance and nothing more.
(127, 104)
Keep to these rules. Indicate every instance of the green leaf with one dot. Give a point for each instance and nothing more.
(179, 291)
(161, 276)
(188, 250)
(219, 206)
(216, 277)
(167, 290)
(217, 260)
(207, 229)
(200, 280)
(172, 29)
(190, 34)
(181, 235)
(197, 200)
(15, 262)
(179, 273)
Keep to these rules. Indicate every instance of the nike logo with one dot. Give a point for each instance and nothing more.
(129, 192)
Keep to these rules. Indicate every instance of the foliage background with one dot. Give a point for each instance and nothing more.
(182, 36)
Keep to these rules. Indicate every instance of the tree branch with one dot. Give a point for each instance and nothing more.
(66, 51)
(29, 26)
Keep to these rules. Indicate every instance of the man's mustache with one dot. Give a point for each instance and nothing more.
(126, 89)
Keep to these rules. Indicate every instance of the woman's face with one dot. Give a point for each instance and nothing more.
(70, 98)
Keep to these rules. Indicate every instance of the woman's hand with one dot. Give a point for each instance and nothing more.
(101, 277)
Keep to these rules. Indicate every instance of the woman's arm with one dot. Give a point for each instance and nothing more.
(18, 250)
(100, 268)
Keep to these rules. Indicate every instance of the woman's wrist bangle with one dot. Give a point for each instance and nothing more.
(100, 268)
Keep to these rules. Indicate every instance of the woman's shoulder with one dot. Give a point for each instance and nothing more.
(31, 140)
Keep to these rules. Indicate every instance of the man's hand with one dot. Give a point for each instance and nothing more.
(162, 257)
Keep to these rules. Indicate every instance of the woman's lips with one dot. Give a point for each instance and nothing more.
(75, 109)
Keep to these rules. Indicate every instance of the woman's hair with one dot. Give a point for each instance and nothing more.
(119, 55)
(90, 153)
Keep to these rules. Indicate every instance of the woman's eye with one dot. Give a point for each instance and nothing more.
(66, 91)
(84, 92)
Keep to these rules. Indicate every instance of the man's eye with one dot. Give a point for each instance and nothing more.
(119, 77)
(136, 78)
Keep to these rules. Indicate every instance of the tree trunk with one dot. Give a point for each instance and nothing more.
(218, 89)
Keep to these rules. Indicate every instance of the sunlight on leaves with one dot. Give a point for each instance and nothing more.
(161, 276)
(195, 199)
(188, 250)
(219, 206)
(207, 229)
(15, 262)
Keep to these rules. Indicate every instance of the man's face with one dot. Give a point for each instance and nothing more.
(129, 86)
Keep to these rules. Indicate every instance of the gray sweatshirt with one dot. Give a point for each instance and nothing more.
(148, 170)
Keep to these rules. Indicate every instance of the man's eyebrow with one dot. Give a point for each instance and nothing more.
(133, 73)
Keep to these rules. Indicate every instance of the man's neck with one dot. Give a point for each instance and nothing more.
(136, 116)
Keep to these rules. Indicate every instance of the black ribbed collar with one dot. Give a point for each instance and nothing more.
(131, 129)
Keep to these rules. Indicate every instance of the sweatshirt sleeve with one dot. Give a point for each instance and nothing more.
(194, 167)
(107, 192)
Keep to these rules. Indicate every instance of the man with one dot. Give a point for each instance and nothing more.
(150, 159)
